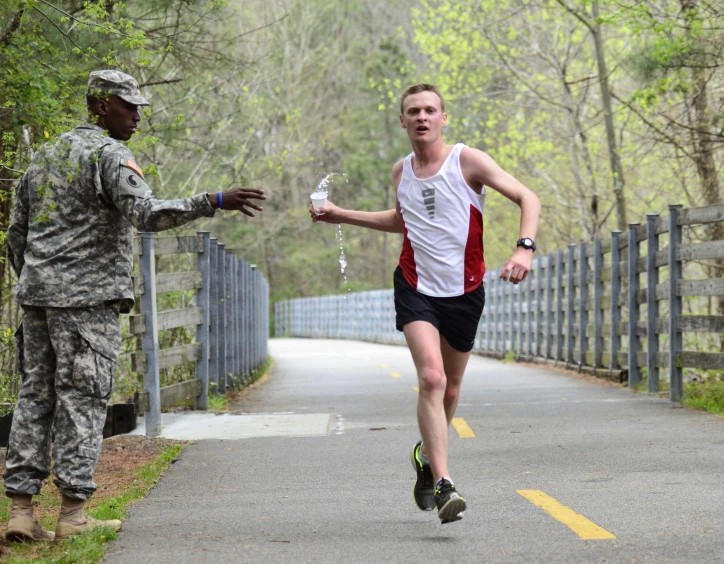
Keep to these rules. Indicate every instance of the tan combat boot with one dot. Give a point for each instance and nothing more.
(22, 525)
(72, 520)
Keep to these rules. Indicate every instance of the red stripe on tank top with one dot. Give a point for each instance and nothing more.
(474, 261)
(407, 259)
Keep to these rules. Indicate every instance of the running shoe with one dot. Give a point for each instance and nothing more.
(450, 504)
(424, 490)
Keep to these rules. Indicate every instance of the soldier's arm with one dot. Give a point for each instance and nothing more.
(17, 235)
(123, 186)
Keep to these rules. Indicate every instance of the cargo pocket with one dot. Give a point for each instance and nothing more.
(94, 365)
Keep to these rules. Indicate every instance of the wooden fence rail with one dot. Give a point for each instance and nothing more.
(585, 308)
(230, 316)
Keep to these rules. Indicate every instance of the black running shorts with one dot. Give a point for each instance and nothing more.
(456, 318)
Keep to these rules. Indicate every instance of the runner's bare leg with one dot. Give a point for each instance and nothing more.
(454, 363)
(423, 339)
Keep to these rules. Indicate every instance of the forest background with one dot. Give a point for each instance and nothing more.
(607, 109)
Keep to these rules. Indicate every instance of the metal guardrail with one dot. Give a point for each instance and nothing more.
(230, 315)
(580, 309)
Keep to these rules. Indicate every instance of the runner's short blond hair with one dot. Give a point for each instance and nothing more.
(416, 89)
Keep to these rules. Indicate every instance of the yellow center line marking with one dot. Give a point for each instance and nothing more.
(584, 528)
(395, 374)
(462, 427)
(383, 366)
(366, 358)
(415, 389)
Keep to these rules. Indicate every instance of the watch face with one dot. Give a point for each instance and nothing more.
(526, 243)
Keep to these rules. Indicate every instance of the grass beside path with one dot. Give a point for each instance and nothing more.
(707, 396)
(128, 468)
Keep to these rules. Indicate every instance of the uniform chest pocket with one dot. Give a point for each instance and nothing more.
(94, 365)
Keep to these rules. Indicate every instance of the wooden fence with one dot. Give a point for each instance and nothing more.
(230, 315)
(585, 308)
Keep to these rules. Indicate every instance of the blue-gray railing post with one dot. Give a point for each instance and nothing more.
(652, 305)
(251, 307)
(634, 375)
(583, 303)
(151, 377)
(240, 313)
(230, 325)
(241, 335)
(597, 303)
(252, 289)
(511, 316)
(559, 305)
(256, 300)
(261, 324)
(521, 333)
(488, 312)
(262, 336)
(202, 330)
(676, 385)
(236, 306)
(256, 320)
(615, 299)
(529, 316)
(571, 314)
(538, 306)
(223, 332)
(265, 342)
(503, 317)
(501, 314)
(549, 306)
(213, 315)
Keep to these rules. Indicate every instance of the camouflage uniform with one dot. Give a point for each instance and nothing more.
(71, 243)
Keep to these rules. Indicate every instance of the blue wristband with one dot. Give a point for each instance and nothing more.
(221, 200)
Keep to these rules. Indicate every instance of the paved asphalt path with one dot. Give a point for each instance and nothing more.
(647, 473)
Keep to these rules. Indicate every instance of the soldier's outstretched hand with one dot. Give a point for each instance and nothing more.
(238, 199)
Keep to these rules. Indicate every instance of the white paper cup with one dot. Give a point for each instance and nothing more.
(319, 199)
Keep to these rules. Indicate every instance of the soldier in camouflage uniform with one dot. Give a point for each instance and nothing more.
(71, 243)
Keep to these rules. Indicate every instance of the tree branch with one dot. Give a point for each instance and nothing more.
(12, 26)
(576, 14)
(652, 125)
(170, 81)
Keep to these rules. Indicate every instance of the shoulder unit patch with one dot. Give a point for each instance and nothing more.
(132, 184)
(130, 163)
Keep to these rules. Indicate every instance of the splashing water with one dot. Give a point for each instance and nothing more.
(324, 186)
(342, 258)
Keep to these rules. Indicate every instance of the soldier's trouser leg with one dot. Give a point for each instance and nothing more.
(28, 456)
(87, 342)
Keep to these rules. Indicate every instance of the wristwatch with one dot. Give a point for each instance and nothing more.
(526, 243)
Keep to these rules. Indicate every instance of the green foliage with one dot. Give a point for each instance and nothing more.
(707, 395)
(9, 384)
(218, 402)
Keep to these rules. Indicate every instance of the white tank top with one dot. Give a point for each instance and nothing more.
(442, 217)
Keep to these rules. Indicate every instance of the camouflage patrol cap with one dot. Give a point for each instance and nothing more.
(115, 83)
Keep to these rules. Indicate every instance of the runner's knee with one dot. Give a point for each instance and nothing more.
(432, 381)
(451, 395)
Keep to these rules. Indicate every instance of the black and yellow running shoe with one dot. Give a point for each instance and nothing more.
(424, 490)
(450, 504)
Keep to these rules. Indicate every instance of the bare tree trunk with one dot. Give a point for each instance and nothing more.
(616, 168)
(704, 155)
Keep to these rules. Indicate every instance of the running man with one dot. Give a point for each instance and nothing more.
(439, 295)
